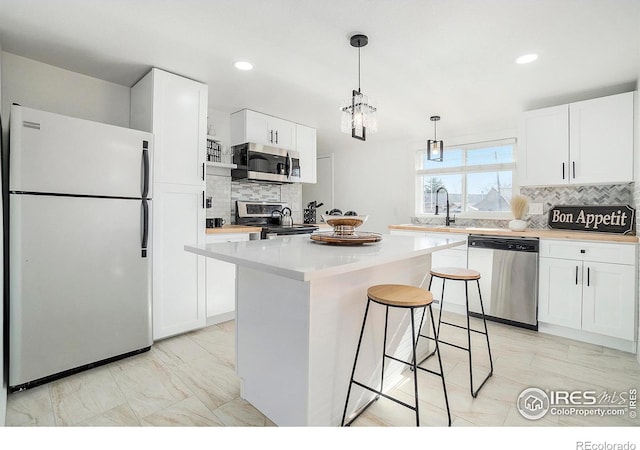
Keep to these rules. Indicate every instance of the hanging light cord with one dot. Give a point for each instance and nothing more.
(358, 67)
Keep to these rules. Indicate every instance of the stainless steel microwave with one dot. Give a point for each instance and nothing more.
(260, 162)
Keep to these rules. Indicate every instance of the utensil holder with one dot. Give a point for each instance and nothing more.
(309, 216)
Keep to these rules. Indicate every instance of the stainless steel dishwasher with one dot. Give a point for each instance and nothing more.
(509, 279)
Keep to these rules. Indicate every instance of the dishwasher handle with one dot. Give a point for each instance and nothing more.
(530, 245)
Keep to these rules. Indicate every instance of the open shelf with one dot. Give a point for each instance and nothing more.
(213, 138)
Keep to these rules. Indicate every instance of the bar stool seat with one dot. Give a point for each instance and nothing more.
(455, 273)
(397, 296)
(466, 275)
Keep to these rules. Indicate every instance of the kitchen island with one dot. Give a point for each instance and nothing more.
(299, 310)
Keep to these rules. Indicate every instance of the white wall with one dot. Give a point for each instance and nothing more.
(372, 178)
(37, 85)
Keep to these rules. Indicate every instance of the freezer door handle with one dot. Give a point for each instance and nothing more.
(145, 167)
(145, 226)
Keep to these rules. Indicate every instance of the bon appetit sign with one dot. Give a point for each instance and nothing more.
(606, 219)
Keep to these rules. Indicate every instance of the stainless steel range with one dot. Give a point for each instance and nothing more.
(268, 215)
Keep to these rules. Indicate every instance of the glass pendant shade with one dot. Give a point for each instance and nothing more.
(359, 112)
(358, 116)
(435, 148)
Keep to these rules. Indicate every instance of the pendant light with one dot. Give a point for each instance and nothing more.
(358, 112)
(434, 147)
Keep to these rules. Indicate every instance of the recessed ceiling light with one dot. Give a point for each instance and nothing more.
(525, 59)
(243, 65)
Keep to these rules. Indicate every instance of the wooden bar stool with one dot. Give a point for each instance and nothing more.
(466, 275)
(397, 296)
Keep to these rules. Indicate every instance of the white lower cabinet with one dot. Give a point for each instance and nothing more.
(178, 276)
(221, 282)
(589, 286)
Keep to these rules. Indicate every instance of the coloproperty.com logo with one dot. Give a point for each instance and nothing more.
(534, 403)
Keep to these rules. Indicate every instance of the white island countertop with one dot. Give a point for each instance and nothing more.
(300, 258)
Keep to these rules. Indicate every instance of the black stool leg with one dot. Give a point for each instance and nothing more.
(436, 332)
(355, 361)
(437, 350)
(384, 347)
(474, 394)
(413, 366)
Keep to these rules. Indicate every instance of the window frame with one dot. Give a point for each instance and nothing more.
(464, 170)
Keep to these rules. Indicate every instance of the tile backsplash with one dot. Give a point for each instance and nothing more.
(550, 196)
(225, 192)
(616, 194)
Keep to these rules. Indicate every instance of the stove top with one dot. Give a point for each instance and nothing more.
(265, 215)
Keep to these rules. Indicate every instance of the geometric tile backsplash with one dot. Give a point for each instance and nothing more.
(617, 194)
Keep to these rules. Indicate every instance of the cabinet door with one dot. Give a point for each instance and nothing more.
(306, 146)
(601, 140)
(256, 128)
(221, 281)
(221, 287)
(543, 146)
(609, 299)
(284, 133)
(252, 126)
(178, 276)
(560, 292)
(180, 128)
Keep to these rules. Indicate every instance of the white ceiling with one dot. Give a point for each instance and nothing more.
(454, 58)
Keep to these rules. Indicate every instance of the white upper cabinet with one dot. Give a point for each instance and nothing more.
(174, 108)
(588, 142)
(601, 140)
(306, 147)
(251, 126)
(543, 146)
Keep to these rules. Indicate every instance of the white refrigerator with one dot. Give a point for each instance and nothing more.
(79, 259)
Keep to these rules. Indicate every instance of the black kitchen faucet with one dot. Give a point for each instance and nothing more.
(448, 220)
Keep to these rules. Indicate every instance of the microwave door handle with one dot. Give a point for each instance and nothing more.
(289, 166)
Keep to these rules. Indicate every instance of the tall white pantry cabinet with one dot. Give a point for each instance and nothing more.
(174, 109)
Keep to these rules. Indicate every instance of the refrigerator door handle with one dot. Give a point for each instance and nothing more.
(145, 166)
(145, 226)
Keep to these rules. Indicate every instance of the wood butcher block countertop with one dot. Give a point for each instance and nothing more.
(233, 229)
(531, 232)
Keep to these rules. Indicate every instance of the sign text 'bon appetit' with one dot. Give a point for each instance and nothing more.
(606, 219)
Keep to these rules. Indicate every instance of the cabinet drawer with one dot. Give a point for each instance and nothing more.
(588, 251)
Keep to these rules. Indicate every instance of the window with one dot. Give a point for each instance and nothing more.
(479, 178)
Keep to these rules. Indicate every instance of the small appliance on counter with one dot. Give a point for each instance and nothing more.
(271, 216)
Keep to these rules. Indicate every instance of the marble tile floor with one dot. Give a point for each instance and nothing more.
(190, 381)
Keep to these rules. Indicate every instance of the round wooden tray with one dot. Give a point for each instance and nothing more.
(329, 237)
